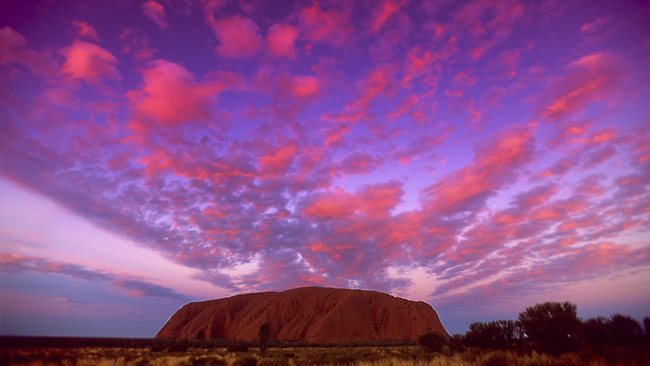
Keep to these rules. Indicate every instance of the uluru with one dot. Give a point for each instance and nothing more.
(308, 314)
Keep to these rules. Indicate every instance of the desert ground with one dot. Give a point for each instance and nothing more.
(172, 353)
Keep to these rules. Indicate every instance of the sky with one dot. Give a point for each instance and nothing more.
(482, 156)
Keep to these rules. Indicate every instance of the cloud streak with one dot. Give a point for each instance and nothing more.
(15, 263)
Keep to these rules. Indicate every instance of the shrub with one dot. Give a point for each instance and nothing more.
(169, 345)
(209, 362)
(496, 334)
(245, 361)
(595, 331)
(344, 360)
(159, 345)
(551, 327)
(238, 347)
(624, 330)
(432, 342)
(178, 346)
(142, 362)
(456, 343)
(618, 330)
(275, 361)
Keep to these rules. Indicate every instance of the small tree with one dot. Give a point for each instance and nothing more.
(552, 327)
(596, 331)
(624, 331)
(264, 334)
(432, 342)
(456, 342)
(496, 334)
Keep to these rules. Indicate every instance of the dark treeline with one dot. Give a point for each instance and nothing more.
(552, 328)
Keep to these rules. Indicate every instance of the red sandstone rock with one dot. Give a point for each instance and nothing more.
(311, 314)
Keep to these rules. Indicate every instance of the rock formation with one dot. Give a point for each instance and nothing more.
(310, 314)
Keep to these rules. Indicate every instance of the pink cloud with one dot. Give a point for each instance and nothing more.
(277, 161)
(238, 36)
(422, 146)
(377, 82)
(281, 39)
(13, 49)
(530, 215)
(304, 86)
(418, 63)
(85, 30)
(335, 251)
(591, 78)
(560, 167)
(599, 156)
(493, 166)
(464, 79)
(136, 45)
(379, 199)
(373, 201)
(156, 12)
(546, 213)
(487, 23)
(335, 137)
(586, 262)
(318, 25)
(331, 205)
(590, 186)
(170, 95)
(536, 196)
(358, 163)
(601, 137)
(89, 62)
(62, 96)
(409, 228)
(641, 147)
(385, 11)
(157, 161)
(408, 104)
(595, 24)
(509, 61)
(572, 133)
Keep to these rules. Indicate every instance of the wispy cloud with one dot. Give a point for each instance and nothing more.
(134, 286)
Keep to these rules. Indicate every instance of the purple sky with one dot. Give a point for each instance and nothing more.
(481, 156)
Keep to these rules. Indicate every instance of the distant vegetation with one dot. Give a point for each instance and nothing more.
(432, 342)
(555, 328)
(549, 334)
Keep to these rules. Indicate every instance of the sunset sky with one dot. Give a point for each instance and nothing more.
(481, 156)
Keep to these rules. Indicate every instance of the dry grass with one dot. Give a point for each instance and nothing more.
(353, 356)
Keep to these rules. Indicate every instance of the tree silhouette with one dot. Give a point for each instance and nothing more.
(624, 330)
(496, 334)
(432, 342)
(264, 334)
(552, 327)
(596, 331)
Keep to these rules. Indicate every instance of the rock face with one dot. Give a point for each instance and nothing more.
(311, 314)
